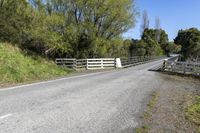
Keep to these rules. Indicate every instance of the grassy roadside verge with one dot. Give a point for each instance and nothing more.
(17, 67)
(176, 109)
(147, 114)
(183, 110)
(192, 112)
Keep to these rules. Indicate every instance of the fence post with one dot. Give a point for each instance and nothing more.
(164, 65)
(118, 63)
(184, 67)
(194, 68)
(101, 63)
(172, 66)
(75, 64)
(86, 64)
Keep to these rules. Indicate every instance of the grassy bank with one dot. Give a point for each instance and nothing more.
(17, 67)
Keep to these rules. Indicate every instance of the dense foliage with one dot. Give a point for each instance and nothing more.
(153, 42)
(189, 39)
(79, 28)
(67, 28)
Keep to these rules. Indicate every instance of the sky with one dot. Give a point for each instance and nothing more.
(174, 15)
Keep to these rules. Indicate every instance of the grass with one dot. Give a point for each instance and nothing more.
(193, 112)
(151, 104)
(148, 112)
(16, 67)
(143, 129)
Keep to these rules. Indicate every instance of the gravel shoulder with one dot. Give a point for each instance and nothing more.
(168, 115)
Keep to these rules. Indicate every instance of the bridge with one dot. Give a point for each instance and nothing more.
(101, 102)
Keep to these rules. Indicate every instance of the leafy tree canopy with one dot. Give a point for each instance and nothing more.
(189, 39)
(67, 28)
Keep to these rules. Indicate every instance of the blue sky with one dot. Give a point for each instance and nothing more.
(173, 14)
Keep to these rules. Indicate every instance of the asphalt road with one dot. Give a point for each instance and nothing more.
(103, 102)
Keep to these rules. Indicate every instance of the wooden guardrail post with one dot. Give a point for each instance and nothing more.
(184, 68)
(172, 66)
(74, 64)
(118, 63)
(164, 65)
(101, 63)
(86, 64)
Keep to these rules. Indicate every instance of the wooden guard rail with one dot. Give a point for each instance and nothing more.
(89, 64)
(182, 67)
(103, 63)
(137, 60)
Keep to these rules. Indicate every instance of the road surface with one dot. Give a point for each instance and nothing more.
(103, 102)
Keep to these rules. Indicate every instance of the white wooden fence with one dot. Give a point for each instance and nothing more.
(101, 63)
(182, 67)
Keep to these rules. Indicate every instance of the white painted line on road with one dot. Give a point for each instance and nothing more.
(5, 116)
(50, 81)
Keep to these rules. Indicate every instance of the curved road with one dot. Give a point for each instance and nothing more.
(103, 102)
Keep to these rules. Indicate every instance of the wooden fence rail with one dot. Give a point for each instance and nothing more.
(81, 64)
(182, 67)
(66, 62)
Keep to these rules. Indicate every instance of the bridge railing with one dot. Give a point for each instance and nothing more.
(103, 63)
(89, 64)
(137, 60)
(182, 67)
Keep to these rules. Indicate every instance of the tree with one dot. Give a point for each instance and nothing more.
(127, 44)
(163, 39)
(90, 20)
(157, 23)
(149, 45)
(67, 28)
(189, 39)
(172, 48)
(158, 28)
(138, 48)
(15, 16)
(145, 22)
(150, 37)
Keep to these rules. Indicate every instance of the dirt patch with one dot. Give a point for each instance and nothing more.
(169, 112)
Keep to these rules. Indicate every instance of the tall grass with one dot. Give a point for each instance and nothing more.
(17, 67)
